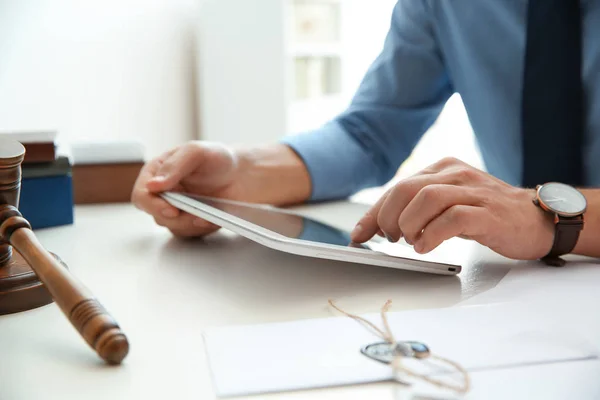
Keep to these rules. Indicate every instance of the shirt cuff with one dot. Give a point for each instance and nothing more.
(337, 164)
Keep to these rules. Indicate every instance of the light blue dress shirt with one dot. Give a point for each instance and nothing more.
(435, 48)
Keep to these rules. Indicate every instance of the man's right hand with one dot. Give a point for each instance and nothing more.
(272, 174)
(197, 167)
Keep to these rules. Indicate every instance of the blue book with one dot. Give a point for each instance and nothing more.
(47, 201)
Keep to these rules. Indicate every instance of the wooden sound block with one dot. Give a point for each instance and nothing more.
(20, 288)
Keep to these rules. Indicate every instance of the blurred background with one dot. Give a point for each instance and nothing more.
(167, 71)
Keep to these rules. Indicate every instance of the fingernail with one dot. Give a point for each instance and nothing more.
(357, 230)
(155, 180)
(408, 241)
(419, 247)
(389, 238)
(169, 213)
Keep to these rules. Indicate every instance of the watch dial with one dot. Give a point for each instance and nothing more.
(562, 198)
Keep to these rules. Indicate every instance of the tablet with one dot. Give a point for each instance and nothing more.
(289, 232)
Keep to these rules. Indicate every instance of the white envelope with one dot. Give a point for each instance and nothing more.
(326, 352)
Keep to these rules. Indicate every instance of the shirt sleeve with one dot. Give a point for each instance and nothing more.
(399, 98)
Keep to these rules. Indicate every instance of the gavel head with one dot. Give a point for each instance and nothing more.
(11, 157)
(20, 288)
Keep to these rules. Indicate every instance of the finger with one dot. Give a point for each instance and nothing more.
(166, 155)
(398, 199)
(147, 172)
(385, 213)
(174, 168)
(186, 225)
(156, 206)
(429, 203)
(455, 173)
(203, 228)
(367, 226)
(375, 220)
(457, 220)
(146, 201)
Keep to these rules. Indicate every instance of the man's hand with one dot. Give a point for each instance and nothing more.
(451, 198)
(270, 174)
(199, 168)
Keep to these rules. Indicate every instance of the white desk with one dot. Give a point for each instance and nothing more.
(165, 291)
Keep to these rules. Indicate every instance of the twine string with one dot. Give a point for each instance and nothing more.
(397, 365)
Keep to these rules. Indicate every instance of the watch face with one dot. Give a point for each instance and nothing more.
(562, 199)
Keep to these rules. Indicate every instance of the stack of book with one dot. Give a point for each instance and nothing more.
(105, 171)
(46, 187)
(87, 173)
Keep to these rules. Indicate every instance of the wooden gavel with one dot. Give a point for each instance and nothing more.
(86, 314)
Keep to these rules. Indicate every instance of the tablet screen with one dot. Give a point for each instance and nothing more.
(289, 225)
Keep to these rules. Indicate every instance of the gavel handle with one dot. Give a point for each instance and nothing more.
(86, 314)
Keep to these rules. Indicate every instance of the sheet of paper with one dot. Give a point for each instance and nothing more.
(577, 283)
(326, 352)
(558, 381)
(554, 381)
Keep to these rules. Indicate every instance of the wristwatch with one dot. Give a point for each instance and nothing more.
(567, 205)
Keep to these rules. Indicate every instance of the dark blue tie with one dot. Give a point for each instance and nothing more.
(552, 108)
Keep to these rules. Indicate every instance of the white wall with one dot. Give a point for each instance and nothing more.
(126, 69)
(366, 24)
(100, 69)
(242, 76)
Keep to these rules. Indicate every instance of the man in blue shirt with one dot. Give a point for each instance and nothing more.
(492, 53)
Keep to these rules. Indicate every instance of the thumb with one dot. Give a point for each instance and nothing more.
(174, 169)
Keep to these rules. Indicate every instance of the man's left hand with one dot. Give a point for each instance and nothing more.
(451, 198)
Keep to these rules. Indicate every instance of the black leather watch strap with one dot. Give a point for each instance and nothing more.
(565, 239)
